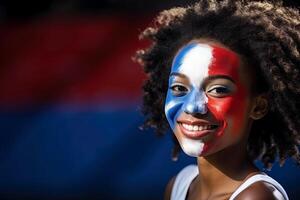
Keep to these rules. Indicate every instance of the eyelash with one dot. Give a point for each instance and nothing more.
(178, 90)
(220, 91)
(215, 91)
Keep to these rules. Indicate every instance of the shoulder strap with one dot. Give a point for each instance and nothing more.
(279, 192)
(183, 181)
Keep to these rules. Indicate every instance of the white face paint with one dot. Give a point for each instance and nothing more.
(193, 61)
(192, 147)
(190, 98)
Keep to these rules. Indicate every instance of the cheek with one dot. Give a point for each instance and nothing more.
(239, 109)
(230, 110)
(220, 108)
(172, 109)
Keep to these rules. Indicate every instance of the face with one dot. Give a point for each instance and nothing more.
(208, 99)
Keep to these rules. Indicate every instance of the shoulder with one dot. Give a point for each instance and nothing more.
(258, 191)
(180, 183)
(168, 189)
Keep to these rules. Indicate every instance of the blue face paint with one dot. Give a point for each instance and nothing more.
(196, 68)
(191, 65)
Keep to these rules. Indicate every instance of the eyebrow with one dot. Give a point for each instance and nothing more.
(219, 76)
(178, 74)
(207, 79)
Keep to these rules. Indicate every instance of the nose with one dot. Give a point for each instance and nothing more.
(196, 103)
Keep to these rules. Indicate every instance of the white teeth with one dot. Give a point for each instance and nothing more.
(196, 127)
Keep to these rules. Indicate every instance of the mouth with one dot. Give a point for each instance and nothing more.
(196, 131)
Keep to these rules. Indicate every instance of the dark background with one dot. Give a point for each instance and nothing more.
(70, 100)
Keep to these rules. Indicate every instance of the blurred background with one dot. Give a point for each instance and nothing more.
(69, 103)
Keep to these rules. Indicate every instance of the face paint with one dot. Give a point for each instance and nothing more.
(191, 67)
(227, 63)
(195, 68)
(192, 147)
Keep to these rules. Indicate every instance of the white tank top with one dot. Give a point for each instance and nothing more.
(189, 173)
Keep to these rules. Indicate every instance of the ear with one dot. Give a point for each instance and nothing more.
(260, 107)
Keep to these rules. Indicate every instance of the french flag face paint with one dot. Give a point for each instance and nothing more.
(192, 62)
(206, 102)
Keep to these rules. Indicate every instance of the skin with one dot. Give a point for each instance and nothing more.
(206, 91)
(210, 86)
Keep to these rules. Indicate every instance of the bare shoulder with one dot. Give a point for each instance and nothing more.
(257, 191)
(168, 189)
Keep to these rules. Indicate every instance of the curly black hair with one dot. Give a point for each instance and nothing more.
(266, 33)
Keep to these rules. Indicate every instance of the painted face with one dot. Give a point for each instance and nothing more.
(206, 104)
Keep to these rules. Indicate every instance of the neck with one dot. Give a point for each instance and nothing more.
(219, 169)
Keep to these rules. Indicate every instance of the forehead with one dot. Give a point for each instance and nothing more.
(197, 60)
(193, 60)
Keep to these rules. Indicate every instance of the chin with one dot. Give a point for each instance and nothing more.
(192, 147)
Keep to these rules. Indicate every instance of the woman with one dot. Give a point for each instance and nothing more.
(224, 75)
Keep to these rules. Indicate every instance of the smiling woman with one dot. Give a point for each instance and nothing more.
(224, 75)
(211, 86)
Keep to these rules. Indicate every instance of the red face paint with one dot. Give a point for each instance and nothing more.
(228, 63)
(225, 110)
(230, 110)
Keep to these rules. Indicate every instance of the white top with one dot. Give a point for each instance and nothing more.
(189, 173)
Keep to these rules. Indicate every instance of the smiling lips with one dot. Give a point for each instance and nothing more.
(196, 130)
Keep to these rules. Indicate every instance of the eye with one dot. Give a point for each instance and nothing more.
(219, 91)
(178, 90)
